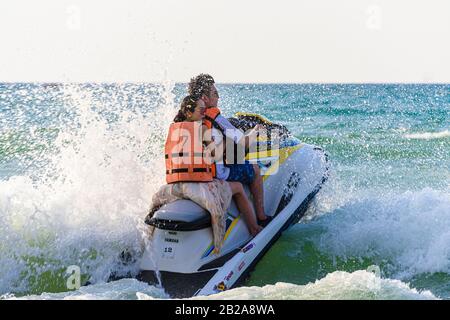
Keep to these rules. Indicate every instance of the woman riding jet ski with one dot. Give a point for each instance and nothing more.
(188, 252)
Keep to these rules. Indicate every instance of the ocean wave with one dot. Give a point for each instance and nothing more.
(428, 135)
(407, 233)
(124, 289)
(338, 285)
(88, 203)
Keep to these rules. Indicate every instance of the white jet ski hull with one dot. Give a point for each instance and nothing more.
(180, 252)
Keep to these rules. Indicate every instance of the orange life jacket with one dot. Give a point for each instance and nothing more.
(210, 117)
(184, 153)
(210, 121)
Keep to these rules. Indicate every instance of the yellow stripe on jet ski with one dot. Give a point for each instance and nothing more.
(211, 246)
(243, 114)
(233, 224)
(282, 154)
(285, 153)
(262, 154)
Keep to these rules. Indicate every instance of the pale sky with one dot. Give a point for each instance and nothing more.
(318, 41)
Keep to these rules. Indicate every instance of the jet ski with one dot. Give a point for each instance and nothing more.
(180, 255)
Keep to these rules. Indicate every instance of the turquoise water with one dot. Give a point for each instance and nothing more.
(79, 163)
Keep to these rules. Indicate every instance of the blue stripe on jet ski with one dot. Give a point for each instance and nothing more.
(209, 250)
(211, 246)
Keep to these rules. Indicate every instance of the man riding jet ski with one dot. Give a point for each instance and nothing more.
(182, 251)
(194, 251)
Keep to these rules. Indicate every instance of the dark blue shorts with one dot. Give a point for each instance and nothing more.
(243, 173)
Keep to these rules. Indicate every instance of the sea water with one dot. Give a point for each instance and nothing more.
(79, 164)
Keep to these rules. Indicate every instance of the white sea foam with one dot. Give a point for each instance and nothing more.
(124, 289)
(408, 231)
(335, 286)
(339, 285)
(428, 135)
(89, 203)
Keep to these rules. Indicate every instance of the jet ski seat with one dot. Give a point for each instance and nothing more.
(180, 215)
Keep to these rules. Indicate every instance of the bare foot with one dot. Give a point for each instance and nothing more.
(255, 230)
(265, 221)
(264, 217)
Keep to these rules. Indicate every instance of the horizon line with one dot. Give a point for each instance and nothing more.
(224, 83)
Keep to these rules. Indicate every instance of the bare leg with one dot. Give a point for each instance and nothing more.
(256, 188)
(244, 206)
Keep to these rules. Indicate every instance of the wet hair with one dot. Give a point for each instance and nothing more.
(187, 105)
(201, 85)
